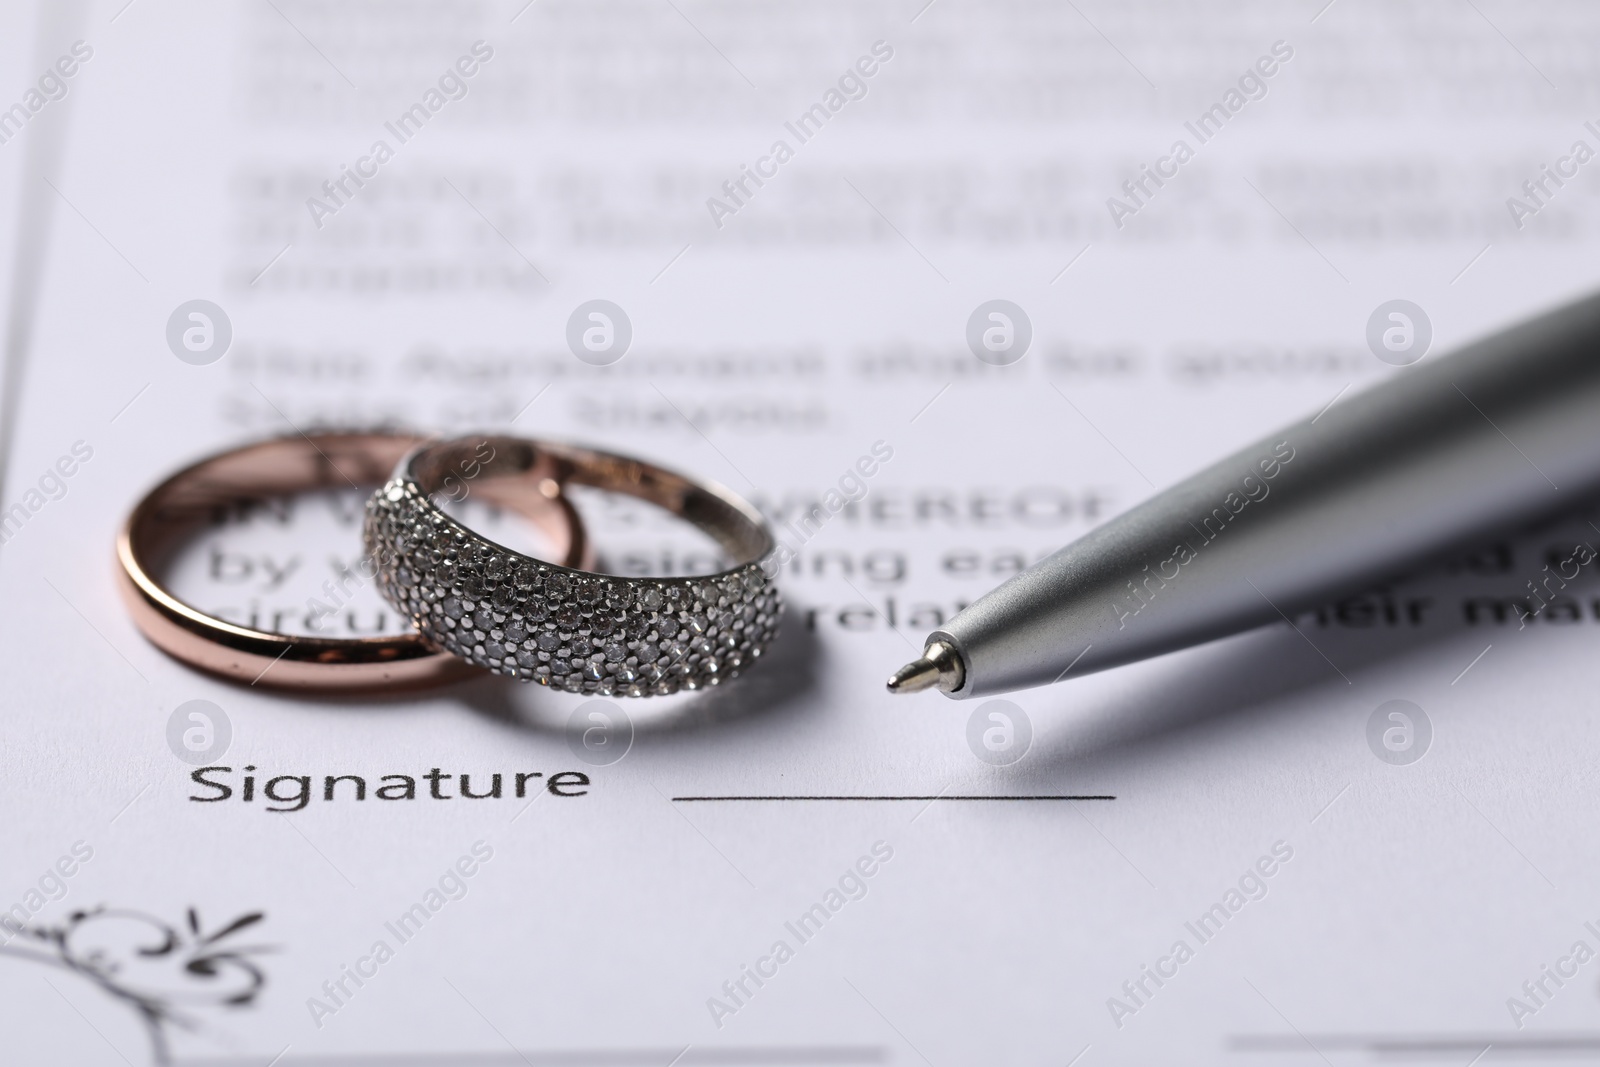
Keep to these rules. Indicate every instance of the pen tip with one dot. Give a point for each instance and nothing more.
(939, 667)
(921, 673)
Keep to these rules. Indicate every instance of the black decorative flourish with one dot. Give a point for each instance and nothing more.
(158, 969)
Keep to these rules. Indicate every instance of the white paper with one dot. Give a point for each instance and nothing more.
(1406, 905)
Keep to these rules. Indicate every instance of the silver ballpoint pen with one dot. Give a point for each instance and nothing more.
(1447, 452)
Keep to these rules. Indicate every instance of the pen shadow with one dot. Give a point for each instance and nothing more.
(780, 682)
(1228, 683)
(1222, 687)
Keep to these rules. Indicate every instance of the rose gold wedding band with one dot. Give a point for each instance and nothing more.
(281, 467)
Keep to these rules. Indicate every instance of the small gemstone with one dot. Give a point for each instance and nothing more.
(502, 598)
(526, 576)
(698, 624)
(603, 624)
(442, 539)
(587, 593)
(594, 672)
(647, 651)
(557, 585)
(452, 607)
(580, 647)
(568, 615)
(627, 675)
(649, 672)
(494, 649)
(472, 584)
(652, 599)
(484, 618)
(548, 641)
(445, 573)
(515, 633)
(616, 653)
(754, 579)
(667, 627)
(534, 611)
(496, 567)
(702, 646)
(527, 660)
(560, 666)
(573, 682)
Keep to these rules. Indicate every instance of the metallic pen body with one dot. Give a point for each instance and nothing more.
(1447, 452)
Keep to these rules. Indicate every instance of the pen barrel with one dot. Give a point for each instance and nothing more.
(1444, 454)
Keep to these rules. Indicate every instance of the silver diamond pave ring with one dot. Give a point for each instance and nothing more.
(559, 626)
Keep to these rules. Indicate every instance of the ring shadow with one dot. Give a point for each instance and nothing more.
(784, 677)
(779, 682)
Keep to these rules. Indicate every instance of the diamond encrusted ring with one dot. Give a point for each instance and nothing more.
(559, 626)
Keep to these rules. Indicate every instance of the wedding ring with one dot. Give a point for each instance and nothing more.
(281, 467)
(557, 625)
